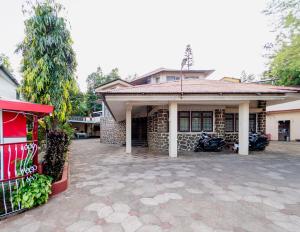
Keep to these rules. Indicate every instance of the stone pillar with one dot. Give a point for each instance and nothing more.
(128, 129)
(244, 128)
(162, 121)
(261, 117)
(220, 122)
(173, 129)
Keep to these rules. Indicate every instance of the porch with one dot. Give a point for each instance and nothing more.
(203, 101)
(177, 127)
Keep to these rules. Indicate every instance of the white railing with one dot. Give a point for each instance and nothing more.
(18, 164)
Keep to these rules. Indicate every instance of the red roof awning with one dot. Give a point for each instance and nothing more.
(16, 105)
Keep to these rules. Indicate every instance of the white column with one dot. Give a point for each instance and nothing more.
(128, 129)
(173, 129)
(244, 128)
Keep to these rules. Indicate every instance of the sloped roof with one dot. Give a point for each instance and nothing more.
(9, 75)
(16, 105)
(202, 86)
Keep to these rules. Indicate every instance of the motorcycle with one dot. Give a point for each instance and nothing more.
(257, 142)
(207, 143)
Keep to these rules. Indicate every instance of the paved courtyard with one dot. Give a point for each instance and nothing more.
(111, 191)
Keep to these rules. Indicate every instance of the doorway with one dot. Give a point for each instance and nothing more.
(284, 130)
(139, 131)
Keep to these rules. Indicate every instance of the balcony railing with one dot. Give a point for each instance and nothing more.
(18, 164)
(93, 119)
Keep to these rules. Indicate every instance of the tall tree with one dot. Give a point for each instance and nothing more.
(285, 52)
(4, 60)
(188, 55)
(94, 80)
(49, 62)
(247, 78)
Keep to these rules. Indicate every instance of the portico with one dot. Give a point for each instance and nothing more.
(173, 106)
(175, 119)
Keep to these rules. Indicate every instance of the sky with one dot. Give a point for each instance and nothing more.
(138, 36)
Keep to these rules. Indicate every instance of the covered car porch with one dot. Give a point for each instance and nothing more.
(137, 101)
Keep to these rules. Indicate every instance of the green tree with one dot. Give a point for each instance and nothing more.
(93, 81)
(286, 63)
(285, 52)
(247, 77)
(4, 60)
(188, 55)
(49, 62)
(78, 101)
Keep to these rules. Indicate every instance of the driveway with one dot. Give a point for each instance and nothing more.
(111, 191)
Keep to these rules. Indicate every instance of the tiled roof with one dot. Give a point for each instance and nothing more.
(10, 76)
(201, 86)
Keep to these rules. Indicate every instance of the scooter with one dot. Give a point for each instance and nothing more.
(257, 142)
(207, 143)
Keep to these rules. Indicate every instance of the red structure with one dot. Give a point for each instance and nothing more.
(18, 156)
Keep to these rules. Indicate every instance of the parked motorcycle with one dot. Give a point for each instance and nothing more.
(208, 143)
(257, 142)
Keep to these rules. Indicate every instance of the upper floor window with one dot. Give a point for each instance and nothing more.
(191, 78)
(173, 78)
(156, 79)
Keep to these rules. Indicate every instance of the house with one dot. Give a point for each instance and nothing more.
(169, 115)
(86, 127)
(8, 84)
(283, 121)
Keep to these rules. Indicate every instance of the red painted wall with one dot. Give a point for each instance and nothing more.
(14, 125)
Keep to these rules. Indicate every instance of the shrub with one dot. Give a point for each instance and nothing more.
(56, 149)
(32, 193)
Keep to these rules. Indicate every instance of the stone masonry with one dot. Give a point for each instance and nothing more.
(112, 132)
(158, 130)
(220, 122)
(261, 117)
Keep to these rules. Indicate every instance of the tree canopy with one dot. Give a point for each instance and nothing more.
(48, 62)
(4, 60)
(93, 81)
(188, 56)
(285, 52)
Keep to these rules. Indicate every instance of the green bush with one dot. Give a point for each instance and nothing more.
(54, 160)
(69, 130)
(34, 193)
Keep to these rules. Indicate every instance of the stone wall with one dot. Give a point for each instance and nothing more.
(187, 141)
(220, 122)
(231, 136)
(261, 117)
(112, 132)
(158, 130)
(158, 136)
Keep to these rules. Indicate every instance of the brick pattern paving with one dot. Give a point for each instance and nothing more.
(111, 191)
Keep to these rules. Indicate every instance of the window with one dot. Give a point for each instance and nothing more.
(191, 78)
(172, 78)
(195, 121)
(252, 122)
(156, 80)
(232, 122)
(207, 121)
(229, 122)
(184, 121)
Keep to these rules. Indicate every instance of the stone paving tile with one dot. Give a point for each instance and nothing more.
(112, 191)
